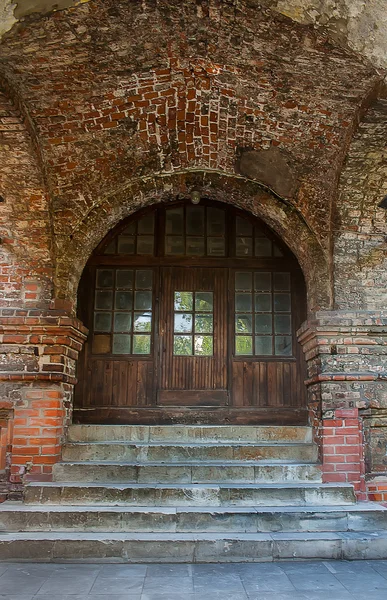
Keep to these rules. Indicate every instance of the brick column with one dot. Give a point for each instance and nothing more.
(38, 356)
(346, 354)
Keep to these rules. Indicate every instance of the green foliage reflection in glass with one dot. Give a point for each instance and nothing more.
(194, 315)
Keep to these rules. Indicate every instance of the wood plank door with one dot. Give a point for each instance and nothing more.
(193, 337)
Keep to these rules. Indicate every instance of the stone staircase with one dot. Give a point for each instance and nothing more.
(190, 494)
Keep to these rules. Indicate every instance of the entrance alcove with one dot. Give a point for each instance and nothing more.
(192, 312)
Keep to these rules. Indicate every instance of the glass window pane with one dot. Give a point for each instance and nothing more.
(174, 245)
(277, 251)
(123, 300)
(183, 323)
(203, 345)
(143, 300)
(263, 345)
(283, 345)
(183, 301)
(130, 229)
(244, 323)
(101, 344)
(194, 220)
(195, 246)
(102, 321)
(121, 343)
(111, 248)
(123, 322)
(142, 321)
(243, 302)
(243, 345)
(262, 281)
(182, 345)
(124, 279)
(262, 302)
(216, 246)
(263, 323)
(105, 278)
(244, 246)
(145, 244)
(204, 323)
(282, 282)
(215, 221)
(262, 247)
(243, 281)
(146, 224)
(282, 324)
(174, 221)
(144, 280)
(125, 244)
(204, 301)
(103, 300)
(141, 344)
(282, 302)
(243, 227)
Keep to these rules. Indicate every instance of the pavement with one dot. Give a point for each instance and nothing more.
(317, 580)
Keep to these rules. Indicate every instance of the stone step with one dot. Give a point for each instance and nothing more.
(191, 547)
(171, 452)
(188, 433)
(186, 494)
(185, 472)
(264, 519)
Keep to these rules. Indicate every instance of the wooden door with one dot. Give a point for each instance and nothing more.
(193, 337)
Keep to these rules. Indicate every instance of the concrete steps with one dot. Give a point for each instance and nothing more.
(190, 494)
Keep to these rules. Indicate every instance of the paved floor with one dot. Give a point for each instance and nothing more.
(323, 580)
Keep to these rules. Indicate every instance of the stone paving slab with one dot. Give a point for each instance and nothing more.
(289, 580)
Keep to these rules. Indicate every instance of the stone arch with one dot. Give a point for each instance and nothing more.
(285, 221)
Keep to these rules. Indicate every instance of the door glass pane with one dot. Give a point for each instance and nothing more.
(183, 323)
(282, 302)
(103, 300)
(263, 324)
(243, 281)
(283, 345)
(101, 344)
(262, 302)
(282, 282)
(143, 300)
(123, 322)
(262, 281)
(282, 324)
(195, 220)
(174, 221)
(195, 246)
(243, 227)
(145, 244)
(262, 247)
(204, 323)
(126, 244)
(146, 224)
(142, 321)
(182, 345)
(102, 321)
(123, 300)
(105, 278)
(144, 280)
(121, 343)
(263, 345)
(203, 345)
(216, 246)
(124, 278)
(243, 302)
(243, 345)
(174, 245)
(244, 246)
(183, 301)
(244, 323)
(215, 221)
(141, 344)
(204, 301)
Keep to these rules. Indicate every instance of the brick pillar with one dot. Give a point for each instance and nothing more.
(347, 391)
(39, 351)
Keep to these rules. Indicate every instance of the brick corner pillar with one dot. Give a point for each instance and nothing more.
(347, 395)
(39, 351)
